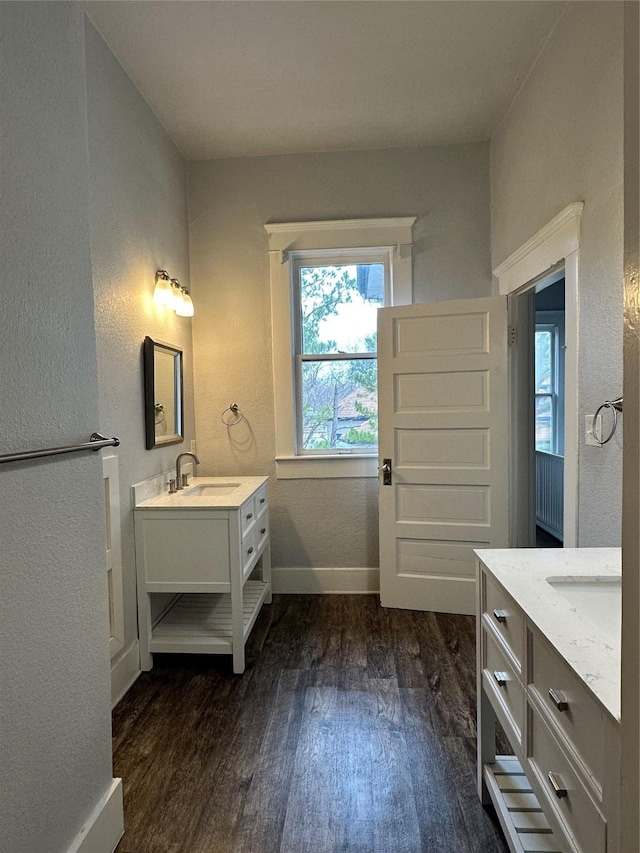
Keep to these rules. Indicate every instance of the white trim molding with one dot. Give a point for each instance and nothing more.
(124, 671)
(339, 233)
(558, 239)
(105, 826)
(321, 581)
(332, 467)
(111, 480)
(289, 241)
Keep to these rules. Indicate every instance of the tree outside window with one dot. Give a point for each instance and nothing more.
(336, 355)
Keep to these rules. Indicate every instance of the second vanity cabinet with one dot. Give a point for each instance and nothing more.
(559, 790)
(213, 553)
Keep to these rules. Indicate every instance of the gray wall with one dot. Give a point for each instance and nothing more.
(562, 142)
(318, 523)
(54, 691)
(138, 218)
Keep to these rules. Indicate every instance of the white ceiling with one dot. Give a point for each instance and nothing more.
(232, 78)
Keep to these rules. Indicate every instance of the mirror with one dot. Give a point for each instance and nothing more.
(164, 422)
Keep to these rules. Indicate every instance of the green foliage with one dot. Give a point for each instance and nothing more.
(323, 290)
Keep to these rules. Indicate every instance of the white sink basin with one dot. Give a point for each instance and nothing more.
(598, 599)
(210, 489)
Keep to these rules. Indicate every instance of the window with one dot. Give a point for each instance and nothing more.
(549, 380)
(335, 319)
(324, 299)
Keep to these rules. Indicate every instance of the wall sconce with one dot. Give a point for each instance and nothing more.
(183, 305)
(169, 293)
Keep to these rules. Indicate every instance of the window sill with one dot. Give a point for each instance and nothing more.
(326, 467)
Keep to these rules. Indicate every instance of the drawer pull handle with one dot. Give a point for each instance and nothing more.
(558, 790)
(249, 515)
(558, 699)
(263, 531)
(501, 616)
(501, 678)
(249, 550)
(262, 500)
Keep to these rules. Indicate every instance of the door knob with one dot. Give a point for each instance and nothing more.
(386, 472)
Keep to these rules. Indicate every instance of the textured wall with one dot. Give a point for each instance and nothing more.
(562, 142)
(54, 678)
(318, 523)
(138, 218)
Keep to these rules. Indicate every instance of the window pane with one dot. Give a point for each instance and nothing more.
(339, 404)
(544, 424)
(544, 364)
(339, 307)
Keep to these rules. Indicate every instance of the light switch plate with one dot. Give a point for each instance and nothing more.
(588, 433)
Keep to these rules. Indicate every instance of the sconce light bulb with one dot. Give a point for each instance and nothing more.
(186, 308)
(163, 291)
(176, 299)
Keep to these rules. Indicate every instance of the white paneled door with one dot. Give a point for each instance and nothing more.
(443, 444)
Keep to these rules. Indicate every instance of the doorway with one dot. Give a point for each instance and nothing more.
(538, 408)
(548, 402)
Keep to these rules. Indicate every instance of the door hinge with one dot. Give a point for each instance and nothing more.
(513, 335)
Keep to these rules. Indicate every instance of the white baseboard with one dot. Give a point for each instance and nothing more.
(325, 581)
(124, 672)
(105, 826)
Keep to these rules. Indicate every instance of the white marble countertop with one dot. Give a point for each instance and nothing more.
(183, 500)
(589, 644)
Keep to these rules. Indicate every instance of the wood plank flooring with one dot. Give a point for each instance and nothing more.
(351, 731)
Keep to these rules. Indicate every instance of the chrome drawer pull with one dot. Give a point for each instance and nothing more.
(559, 791)
(500, 615)
(263, 531)
(558, 699)
(249, 515)
(262, 500)
(501, 678)
(249, 550)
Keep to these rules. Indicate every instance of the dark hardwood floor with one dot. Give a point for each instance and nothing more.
(352, 730)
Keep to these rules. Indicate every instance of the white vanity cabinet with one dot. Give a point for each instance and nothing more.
(213, 553)
(550, 677)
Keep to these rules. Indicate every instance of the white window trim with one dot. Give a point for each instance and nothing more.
(391, 236)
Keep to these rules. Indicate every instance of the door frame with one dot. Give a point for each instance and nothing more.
(555, 245)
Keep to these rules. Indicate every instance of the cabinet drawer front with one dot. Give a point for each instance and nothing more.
(505, 616)
(569, 704)
(185, 549)
(261, 501)
(502, 683)
(573, 808)
(247, 516)
(262, 530)
(249, 551)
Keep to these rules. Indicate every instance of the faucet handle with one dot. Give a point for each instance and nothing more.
(172, 487)
(185, 480)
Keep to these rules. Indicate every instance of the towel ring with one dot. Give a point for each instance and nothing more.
(614, 406)
(235, 416)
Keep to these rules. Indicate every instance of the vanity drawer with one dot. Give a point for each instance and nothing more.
(505, 616)
(247, 516)
(569, 703)
(261, 500)
(249, 551)
(262, 530)
(571, 805)
(502, 684)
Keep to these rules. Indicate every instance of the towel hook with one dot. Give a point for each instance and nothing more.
(614, 406)
(234, 418)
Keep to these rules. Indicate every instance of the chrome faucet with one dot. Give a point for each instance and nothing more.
(179, 483)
